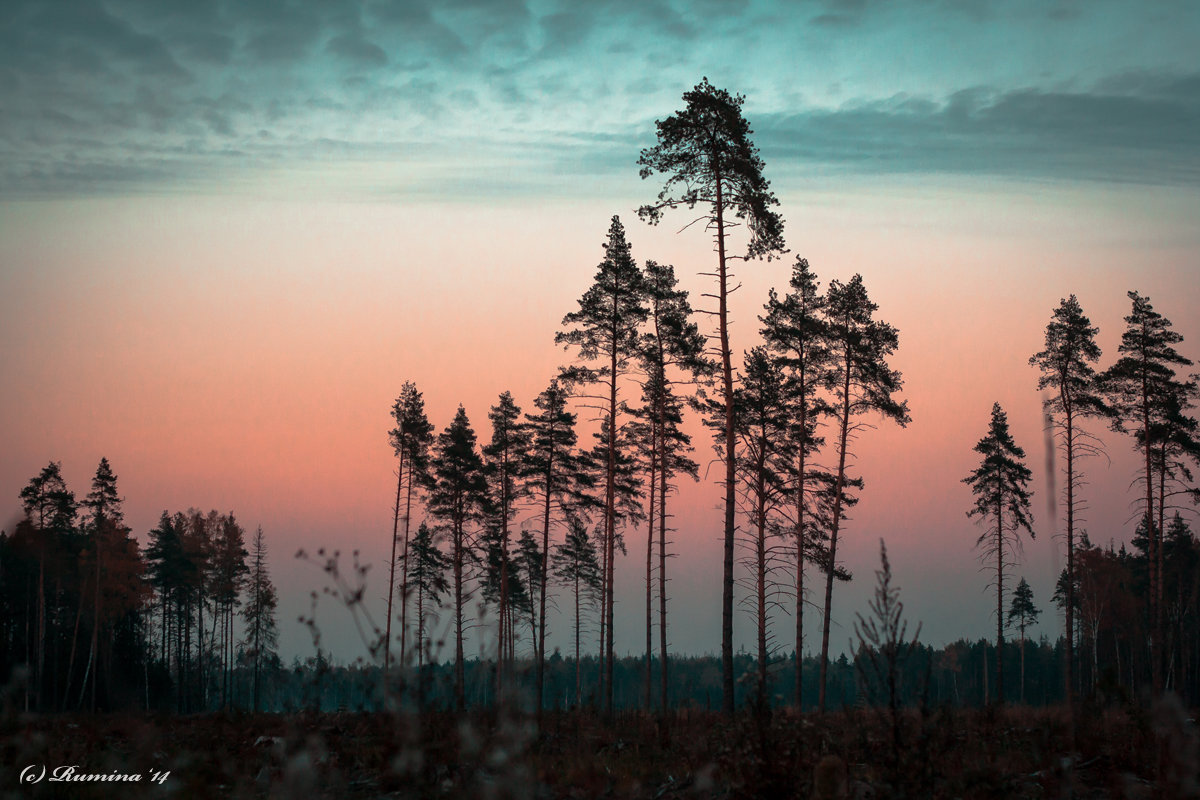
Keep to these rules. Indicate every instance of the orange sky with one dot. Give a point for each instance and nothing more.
(243, 354)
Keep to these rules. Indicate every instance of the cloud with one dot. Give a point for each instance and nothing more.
(1149, 133)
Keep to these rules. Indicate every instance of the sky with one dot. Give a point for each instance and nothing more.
(230, 231)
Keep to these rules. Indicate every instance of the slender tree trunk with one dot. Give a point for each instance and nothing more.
(664, 698)
(611, 520)
(459, 675)
(404, 565)
(387, 634)
(727, 687)
(578, 675)
(800, 480)
(543, 581)
(833, 533)
(654, 466)
(1070, 667)
(1000, 600)
(1155, 543)
(761, 584)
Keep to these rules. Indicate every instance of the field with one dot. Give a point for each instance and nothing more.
(993, 753)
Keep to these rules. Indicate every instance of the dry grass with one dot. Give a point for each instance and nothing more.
(967, 754)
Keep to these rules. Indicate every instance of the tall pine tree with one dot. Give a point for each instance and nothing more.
(706, 155)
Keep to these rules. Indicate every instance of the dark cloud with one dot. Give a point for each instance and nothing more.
(1151, 136)
(358, 50)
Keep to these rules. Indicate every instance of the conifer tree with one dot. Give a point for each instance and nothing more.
(1025, 613)
(50, 506)
(763, 422)
(503, 460)
(795, 329)
(1137, 387)
(410, 439)
(860, 381)
(558, 480)
(706, 155)
(1000, 486)
(576, 565)
(427, 578)
(605, 331)
(229, 576)
(1066, 370)
(262, 632)
(458, 497)
(672, 354)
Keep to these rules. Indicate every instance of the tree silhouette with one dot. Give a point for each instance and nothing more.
(229, 576)
(999, 485)
(262, 633)
(576, 565)
(557, 479)
(1137, 387)
(51, 508)
(860, 381)
(458, 497)
(763, 423)
(708, 159)
(605, 330)
(410, 439)
(503, 460)
(795, 329)
(428, 580)
(1025, 613)
(672, 352)
(1066, 370)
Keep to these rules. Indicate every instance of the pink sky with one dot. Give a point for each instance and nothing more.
(243, 354)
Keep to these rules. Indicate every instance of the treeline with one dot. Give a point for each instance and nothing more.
(88, 620)
(960, 675)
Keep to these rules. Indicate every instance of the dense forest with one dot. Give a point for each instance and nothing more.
(91, 620)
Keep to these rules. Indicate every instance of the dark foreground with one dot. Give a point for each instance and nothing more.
(966, 754)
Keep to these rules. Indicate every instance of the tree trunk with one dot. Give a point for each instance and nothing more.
(727, 687)
(833, 532)
(387, 640)
(662, 577)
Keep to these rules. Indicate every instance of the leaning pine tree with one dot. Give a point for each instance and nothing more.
(1000, 485)
(605, 330)
(708, 159)
(860, 381)
(1066, 371)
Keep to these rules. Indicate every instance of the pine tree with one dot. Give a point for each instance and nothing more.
(794, 328)
(556, 477)
(605, 330)
(458, 497)
(51, 508)
(576, 565)
(763, 423)
(707, 157)
(1000, 485)
(1066, 370)
(672, 354)
(410, 439)
(427, 578)
(1025, 613)
(262, 633)
(860, 381)
(229, 577)
(1136, 387)
(503, 460)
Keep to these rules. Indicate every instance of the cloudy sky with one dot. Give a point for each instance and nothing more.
(229, 231)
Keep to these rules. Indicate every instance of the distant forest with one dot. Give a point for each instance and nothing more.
(90, 620)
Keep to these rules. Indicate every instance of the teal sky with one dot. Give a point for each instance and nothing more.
(469, 98)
